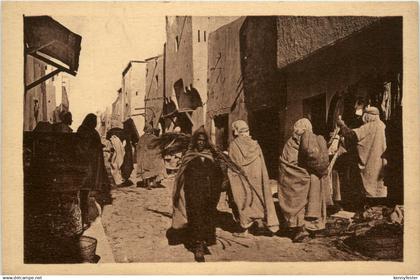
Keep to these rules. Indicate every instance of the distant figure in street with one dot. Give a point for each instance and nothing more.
(96, 176)
(196, 194)
(114, 135)
(371, 146)
(303, 196)
(122, 149)
(150, 165)
(64, 125)
(132, 139)
(253, 198)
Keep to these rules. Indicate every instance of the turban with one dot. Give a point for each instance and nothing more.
(372, 111)
(239, 127)
(371, 114)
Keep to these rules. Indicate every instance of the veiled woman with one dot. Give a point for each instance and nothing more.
(96, 178)
(196, 194)
(252, 197)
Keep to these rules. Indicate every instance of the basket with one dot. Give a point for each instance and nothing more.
(377, 247)
(382, 242)
(87, 247)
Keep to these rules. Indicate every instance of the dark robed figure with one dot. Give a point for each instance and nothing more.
(96, 179)
(196, 194)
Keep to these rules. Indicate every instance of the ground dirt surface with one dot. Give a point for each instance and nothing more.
(137, 221)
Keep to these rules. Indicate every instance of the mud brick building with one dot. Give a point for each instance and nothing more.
(186, 67)
(292, 67)
(133, 92)
(155, 90)
(40, 101)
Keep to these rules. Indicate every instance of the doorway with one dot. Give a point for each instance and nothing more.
(314, 109)
(184, 123)
(265, 128)
(221, 124)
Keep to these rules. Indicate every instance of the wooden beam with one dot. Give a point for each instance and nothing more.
(190, 118)
(52, 63)
(43, 79)
(34, 50)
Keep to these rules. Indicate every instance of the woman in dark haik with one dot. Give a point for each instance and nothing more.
(197, 189)
(96, 179)
(196, 194)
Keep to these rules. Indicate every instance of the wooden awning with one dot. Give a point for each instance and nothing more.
(52, 43)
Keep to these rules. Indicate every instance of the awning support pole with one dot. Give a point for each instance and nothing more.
(32, 51)
(52, 63)
(43, 79)
(190, 118)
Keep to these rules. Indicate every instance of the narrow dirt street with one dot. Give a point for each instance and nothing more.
(137, 221)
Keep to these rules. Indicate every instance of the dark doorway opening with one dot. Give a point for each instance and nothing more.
(221, 124)
(179, 89)
(314, 109)
(184, 123)
(265, 128)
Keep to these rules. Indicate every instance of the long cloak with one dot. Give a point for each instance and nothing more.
(371, 147)
(302, 196)
(149, 160)
(128, 165)
(92, 149)
(254, 202)
(117, 159)
(179, 215)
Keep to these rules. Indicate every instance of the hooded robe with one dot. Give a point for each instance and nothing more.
(302, 196)
(370, 147)
(196, 194)
(254, 202)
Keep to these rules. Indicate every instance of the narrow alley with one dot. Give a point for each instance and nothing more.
(137, 221)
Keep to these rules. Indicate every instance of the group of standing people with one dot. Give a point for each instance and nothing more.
(304, 190)
(304, 187)
(127, 148)
(122, 137)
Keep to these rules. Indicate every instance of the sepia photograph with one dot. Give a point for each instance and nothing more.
(180, 137)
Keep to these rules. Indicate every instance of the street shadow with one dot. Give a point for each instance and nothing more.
(165, 214)
(104, 196)
(225, 221)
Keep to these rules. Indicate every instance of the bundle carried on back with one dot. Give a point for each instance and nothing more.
(315, 152)
(172, 143)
